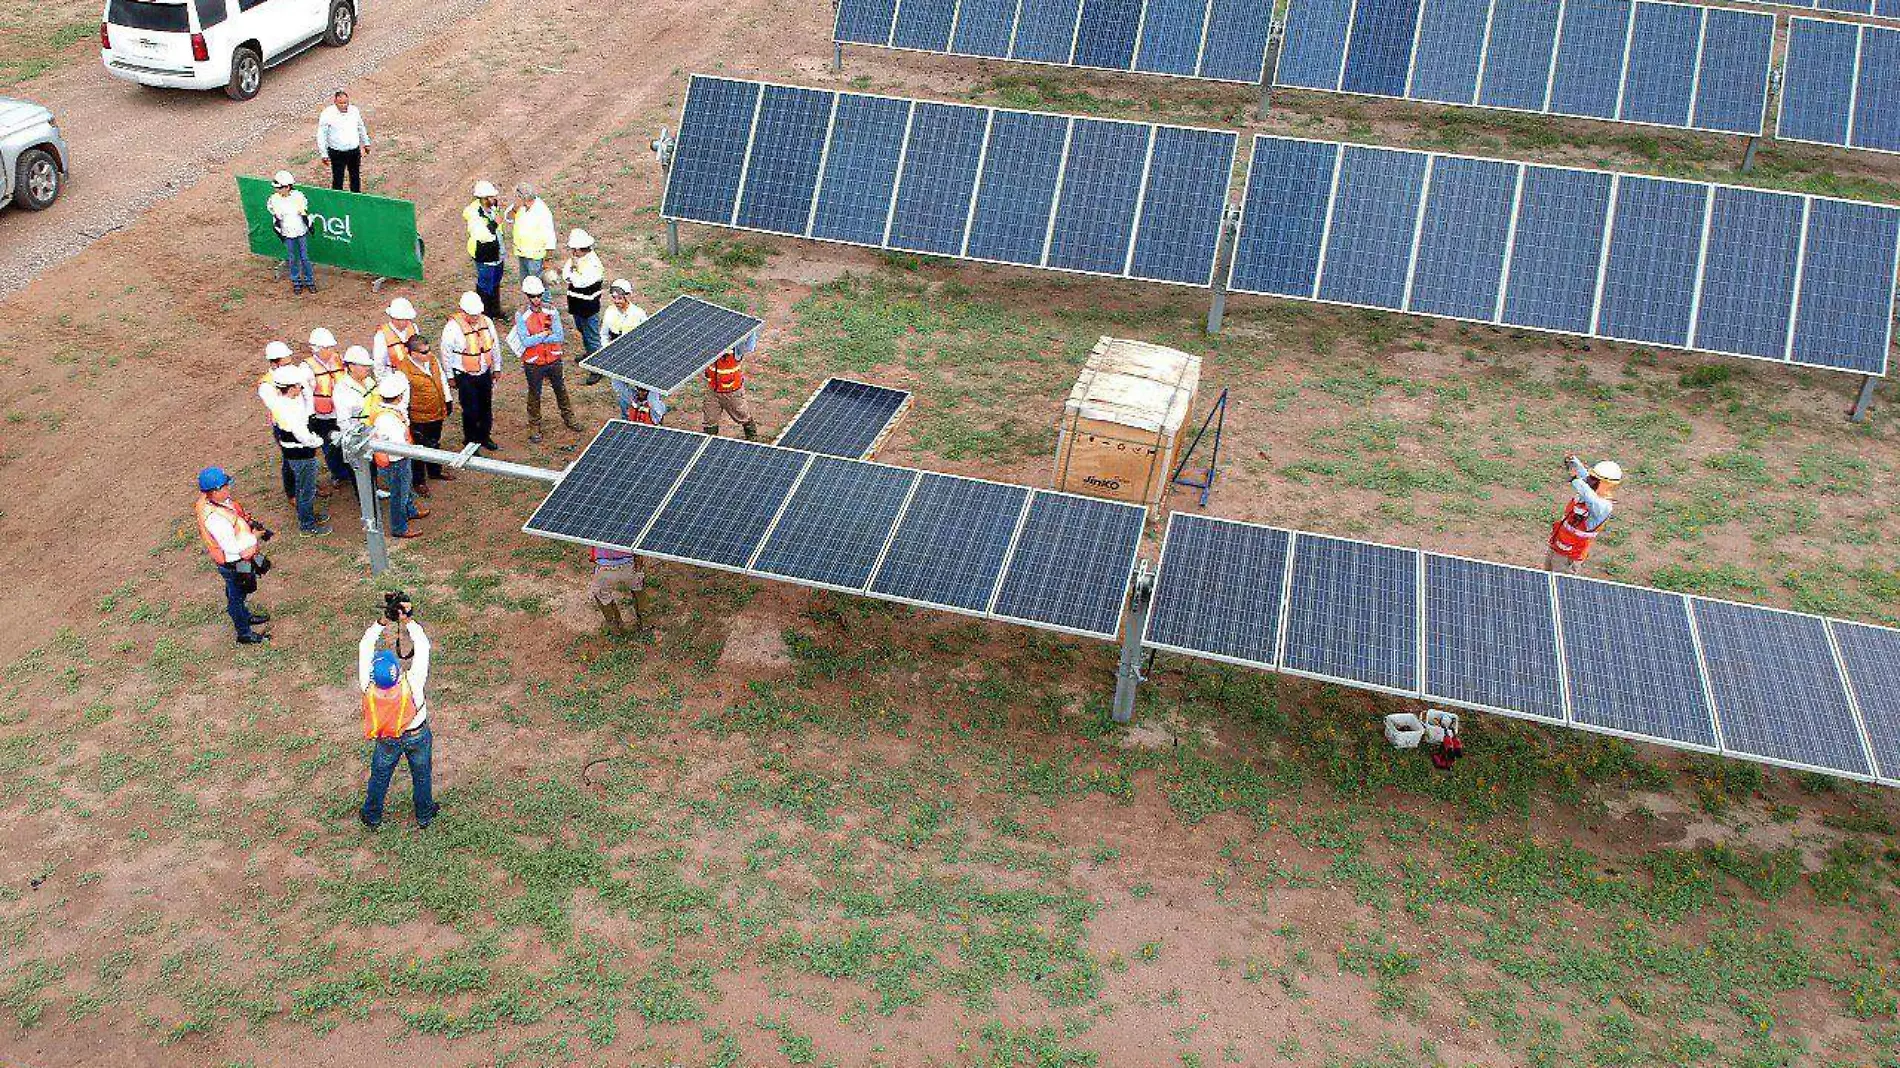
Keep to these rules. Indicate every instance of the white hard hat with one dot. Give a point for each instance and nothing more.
(283, 179)
(400, 308)
(1608, 471)
(277, 350)
(471, 304)
(359, 356)
(533, 286)
(486, 189)
(578, 238)
(285, 376)
(322, 339)
(392, 387)
(621, 285)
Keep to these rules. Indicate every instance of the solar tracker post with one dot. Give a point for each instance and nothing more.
(663, 146)
(1128, 672)
(1864, 400)
(1748, 154)
(1223, 256)
(1276, 33)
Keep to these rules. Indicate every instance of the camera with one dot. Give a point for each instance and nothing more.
(396, 604)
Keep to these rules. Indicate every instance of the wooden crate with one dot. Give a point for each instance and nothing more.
(1122, 422)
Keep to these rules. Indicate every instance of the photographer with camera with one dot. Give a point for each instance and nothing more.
(234, 539)
(395, 709)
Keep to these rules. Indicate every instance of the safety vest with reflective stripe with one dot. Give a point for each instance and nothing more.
(726, 375)
(387, 712)
(323, 397)
(240, 523)
(1570, 535)
(478, 341)
(638, 412)
(540, 322)
(396, 342)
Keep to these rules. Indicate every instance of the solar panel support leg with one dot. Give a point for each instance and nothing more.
(1128, 674)
(1748, 154)
(672, 237)
(1223, 256)
(372, 520)
(837, 58)
(1864, 401)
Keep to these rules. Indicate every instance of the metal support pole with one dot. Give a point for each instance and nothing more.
(1223, 257)
(1276, 33)
(672, 234)
(1748, 154)
(1128, 674)
(663, 147)
(1266, 99)
(372, 521)
(1864, 401)
(837, 57)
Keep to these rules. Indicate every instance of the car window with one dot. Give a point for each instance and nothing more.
(210, 13)
(144, 15)
(246, 5)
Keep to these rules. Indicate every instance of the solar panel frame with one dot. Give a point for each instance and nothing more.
(1430, 638)
(1277, 618)
(1013, 595)
(1551, 75)
(1126, 273)
(680, 442)
(1873, 685)
(682, 307)
(1238, 263)
(1408, 562)
(897, 400)
(1851, 135)
(1081, 7)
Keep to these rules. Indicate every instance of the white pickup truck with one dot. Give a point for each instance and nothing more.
(212, 44)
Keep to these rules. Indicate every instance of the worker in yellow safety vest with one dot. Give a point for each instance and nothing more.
(483, 218)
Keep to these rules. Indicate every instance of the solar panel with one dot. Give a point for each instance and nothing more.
(679, 341)
(951, 544)
(844, 418)
(1491, 638)
(1073, 560)
(1630, 662)
(1870, 657)
(1841, 85)
(609, 494)
(836, 524)
(1218, 40)
(1663, 64)
(1778, 693)
(722, 507)
(1779, 276)
(1218, 590)
(1352, 613)
(1100, 196)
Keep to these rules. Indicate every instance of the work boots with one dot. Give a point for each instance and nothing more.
(751, 429)
(642, 606)
(611, 613)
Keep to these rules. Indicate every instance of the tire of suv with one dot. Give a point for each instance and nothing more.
(36, 181)
(247, 74)
(342, 26)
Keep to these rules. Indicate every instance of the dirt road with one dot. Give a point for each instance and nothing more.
(134, 146)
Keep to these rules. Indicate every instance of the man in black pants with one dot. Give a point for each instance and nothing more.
(342, 138)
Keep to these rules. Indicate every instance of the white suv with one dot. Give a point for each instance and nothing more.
(209, 44)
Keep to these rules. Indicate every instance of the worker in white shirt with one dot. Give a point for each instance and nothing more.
(235, 541)
(584, 278)
(388, 345)
(357, 385)
(390, 422)
(343, 138)
(278, 355)
(325, 364)
(290, 425)
(531, 229)
(471, 351)
(396, 713)
(290, 217)
(622, 315)
(483, 218)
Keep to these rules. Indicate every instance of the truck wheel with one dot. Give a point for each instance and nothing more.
(36, 180)
(342, 25)
(247, 74)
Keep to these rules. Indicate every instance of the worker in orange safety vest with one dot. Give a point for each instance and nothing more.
(539, 339)
(1584, 518)
(234, 539)
(725, 390)
(396, 718)
(392, 337)
(325, 364)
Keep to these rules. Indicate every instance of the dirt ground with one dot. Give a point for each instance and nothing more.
(796, 829)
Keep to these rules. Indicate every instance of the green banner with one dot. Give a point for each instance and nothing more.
(354, 231)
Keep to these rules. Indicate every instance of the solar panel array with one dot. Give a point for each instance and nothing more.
(1099, 196)
(676, 343)
(1739, 680)
(1886, 9)
(1660, 64)
(1038, 557)
(1220, 40)
(1775, 276)
(845, 418)
(1840, 85)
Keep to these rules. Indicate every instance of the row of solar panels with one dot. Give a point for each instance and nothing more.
(1036, 557)
(1739, 680)
(1221, 40)
(1661, 64)
(1744, 272)
(1886, 9)
(1841, 85)
(1101, 196)
(1776, 276)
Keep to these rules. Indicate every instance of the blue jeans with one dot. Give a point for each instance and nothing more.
(589, 327)
(528, 266)
(297, 258)
(304, 471)
(488, 287)
(399, 480)
(234, 595)
(417, 746)
(325, 427)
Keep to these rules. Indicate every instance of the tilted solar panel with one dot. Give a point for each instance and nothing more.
(1352, 613)
(837, 524)
(844, 418)
(1640, 61)
(610, 493)
(1491, 638)
(951, 544)
(1631, 665)
(1778, 276)
(1777, 690)
(673, 345)
(725, 503)
(1841, 85)
(1870, 660)
(1066, 544)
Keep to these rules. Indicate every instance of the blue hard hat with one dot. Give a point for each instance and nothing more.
(212, 478)
(385, 669)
